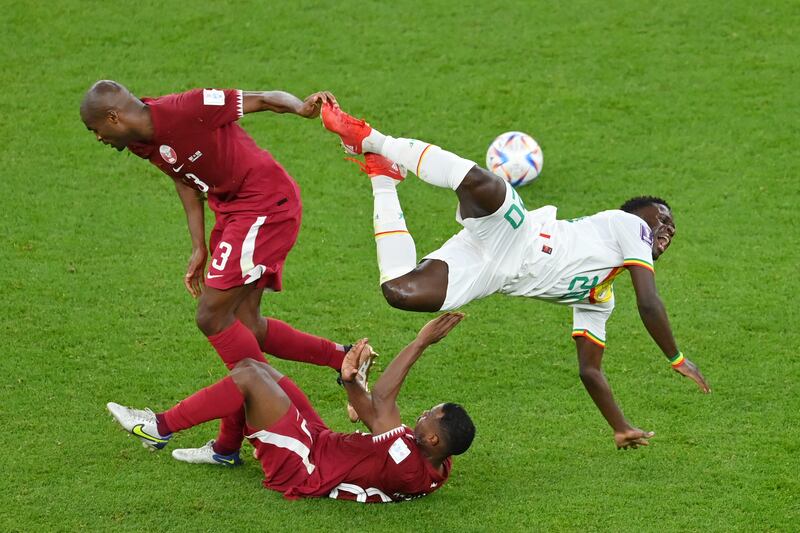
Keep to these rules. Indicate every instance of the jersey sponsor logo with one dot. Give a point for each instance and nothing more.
(546, 249)
(195, 156)
(646, 234)
(213, 97)
(168, 154)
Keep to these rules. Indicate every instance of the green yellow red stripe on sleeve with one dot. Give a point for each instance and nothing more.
(588, 335)
(638, 262)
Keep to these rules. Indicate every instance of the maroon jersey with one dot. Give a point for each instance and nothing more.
(301, 457)
(196, 140)
(372, 468)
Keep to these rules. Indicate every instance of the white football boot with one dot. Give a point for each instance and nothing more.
(141, 423)
(206, 455)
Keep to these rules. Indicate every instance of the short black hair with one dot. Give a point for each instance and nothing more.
(638, 202)
(457, 427)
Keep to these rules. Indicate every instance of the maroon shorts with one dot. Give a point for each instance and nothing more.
(251, 248)
(284, 449)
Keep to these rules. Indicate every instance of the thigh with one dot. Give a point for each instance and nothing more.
(470, 272)
(251, 248)
(265, 401)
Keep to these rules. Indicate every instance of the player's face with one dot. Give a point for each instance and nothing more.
(660, 220)
(109, 130)
(428, 421)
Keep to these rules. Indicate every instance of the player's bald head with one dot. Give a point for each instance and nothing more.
(104, 96)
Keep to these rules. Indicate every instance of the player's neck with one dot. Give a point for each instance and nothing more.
(143, 123)
(436, 462)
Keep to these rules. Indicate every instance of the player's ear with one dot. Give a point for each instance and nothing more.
(113, 116)
(433, 440)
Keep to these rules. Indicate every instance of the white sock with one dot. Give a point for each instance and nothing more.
(432, 164)
(397, 254)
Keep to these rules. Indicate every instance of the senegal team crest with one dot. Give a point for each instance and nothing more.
(168, 154)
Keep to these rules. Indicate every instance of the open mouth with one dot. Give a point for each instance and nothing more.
(662, 242)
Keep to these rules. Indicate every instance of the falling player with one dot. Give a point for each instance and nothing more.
(301, 456)
(506, 249)
(195, 139)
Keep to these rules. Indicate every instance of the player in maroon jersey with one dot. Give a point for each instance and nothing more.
(301, 456)
(195, 139)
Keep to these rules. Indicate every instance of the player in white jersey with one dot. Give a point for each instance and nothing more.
(507, 249)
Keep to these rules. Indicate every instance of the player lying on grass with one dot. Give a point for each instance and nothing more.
(195, 139)
(301, 456)
(506, 249)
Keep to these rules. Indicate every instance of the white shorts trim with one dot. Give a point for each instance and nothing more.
(287, 443)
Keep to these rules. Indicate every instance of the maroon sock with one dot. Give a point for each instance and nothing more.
(231, 433)
(219, 400)
(284, 341)
(236, 343)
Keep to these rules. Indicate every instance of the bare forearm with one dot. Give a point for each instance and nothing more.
(598, 388)
(655, 320)
(195, 214)
(361, 401)
(277, 101)
(391, 381)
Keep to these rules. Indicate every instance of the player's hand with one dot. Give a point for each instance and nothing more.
(690, 370)
(193, 280)
(313, 104)
(352, 359)
(632, 438)
(438, 328)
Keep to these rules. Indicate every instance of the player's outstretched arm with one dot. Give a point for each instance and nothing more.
(654, 318)
(195, 218)
(379, 410)
(283, 102)
(590, 356)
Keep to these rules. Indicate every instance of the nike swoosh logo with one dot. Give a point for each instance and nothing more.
(212, 276)
(139, 432)
(223, 460)
(178, 169)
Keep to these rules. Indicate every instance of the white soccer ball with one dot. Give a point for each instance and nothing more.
(515, 157)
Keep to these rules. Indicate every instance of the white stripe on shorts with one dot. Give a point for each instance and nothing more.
(287, 443)
(249, 247)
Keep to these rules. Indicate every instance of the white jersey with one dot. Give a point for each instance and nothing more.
(530, 253)
(574, 262)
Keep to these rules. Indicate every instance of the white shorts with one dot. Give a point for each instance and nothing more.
(481, 257)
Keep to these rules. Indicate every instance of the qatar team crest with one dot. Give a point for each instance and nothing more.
(168, 154)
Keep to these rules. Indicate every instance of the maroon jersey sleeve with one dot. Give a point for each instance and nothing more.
(212, 107)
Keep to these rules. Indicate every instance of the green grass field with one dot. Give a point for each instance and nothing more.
(696, 102)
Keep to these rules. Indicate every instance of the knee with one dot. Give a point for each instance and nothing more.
(396, 294)
(212, 318)
(479, 177)
(244, 373)
(407, 295)
(206, 319)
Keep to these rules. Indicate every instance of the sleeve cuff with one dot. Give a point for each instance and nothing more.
(638, 262)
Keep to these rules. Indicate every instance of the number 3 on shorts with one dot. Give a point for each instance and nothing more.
(223, 257)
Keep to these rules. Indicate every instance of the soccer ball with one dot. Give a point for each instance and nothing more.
(515, 157)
